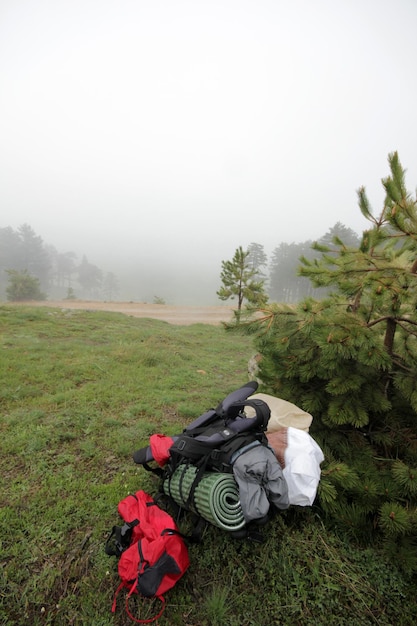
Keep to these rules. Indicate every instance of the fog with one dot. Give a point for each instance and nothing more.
(155, 137)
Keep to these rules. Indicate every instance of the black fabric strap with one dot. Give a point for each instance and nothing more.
(155, 470)
(119, 539)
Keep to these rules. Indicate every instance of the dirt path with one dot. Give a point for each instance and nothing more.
(181, 315)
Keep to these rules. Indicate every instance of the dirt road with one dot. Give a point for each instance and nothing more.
(181, 315)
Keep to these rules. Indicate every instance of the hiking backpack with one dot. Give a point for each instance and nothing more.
(209, 445)
(152, 552)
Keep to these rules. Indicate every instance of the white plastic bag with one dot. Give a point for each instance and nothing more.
(302, 467)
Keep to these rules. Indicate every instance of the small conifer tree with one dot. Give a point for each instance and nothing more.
(240, 280)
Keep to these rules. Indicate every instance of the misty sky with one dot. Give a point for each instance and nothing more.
(145, 131)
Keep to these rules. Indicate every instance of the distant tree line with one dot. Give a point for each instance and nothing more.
(31, 269)
(24, 257)
(248, 276)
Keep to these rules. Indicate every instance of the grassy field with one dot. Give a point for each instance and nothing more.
(80, 391)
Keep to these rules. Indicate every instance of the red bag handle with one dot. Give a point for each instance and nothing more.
(135, 619)
(151, 619)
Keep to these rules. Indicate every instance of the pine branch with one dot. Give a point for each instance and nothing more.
(389, 317)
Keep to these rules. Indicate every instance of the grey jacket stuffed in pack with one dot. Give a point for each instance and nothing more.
(259, 477)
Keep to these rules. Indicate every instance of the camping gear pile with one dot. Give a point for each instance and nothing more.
(233, 466)
(256, 445)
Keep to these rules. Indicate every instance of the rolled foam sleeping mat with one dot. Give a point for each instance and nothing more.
(216, 497)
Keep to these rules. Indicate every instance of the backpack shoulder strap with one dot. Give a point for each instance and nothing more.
(240, 423)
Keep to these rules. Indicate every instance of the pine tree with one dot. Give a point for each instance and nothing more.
(284, 283)
(239, 280)
(34, 256)
(89, 277)
(350, 360)
(257, 259)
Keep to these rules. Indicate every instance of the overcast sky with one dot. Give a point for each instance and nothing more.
(137, 130)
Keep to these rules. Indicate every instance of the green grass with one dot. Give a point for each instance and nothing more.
(79, 392)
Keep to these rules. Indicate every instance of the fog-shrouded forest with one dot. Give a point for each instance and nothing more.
(66, 275)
